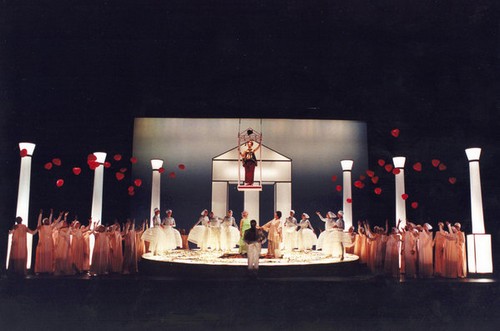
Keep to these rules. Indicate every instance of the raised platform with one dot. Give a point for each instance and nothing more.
(198, 264)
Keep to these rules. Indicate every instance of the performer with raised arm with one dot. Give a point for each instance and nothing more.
(130, 248)
(244, 225)
(274, 229)
(199, 233)
(174, 239)
(77, 246)
(424, 245)
(62, 256)
(229, 232)
(306, 238)
(439, 242)
(44, 261)
(249, 161)
(290, 232)
(19, 249)
(329, 224)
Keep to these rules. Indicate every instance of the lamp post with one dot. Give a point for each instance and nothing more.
(479, 257)
(96, 213)
(23, 197)
(347, 192)
(399, 163)
(156, 164)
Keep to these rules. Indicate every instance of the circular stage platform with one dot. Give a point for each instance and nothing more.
(215, 264)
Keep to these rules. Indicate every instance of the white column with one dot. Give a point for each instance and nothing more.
(399, 163)
(283, 198)
(23, 197)
(219, 198)
(251, 204)
(479, 257)
(96, 213)
(156, 164)
(347, 191)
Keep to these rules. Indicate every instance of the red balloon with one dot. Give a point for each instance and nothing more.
(396, 171)
(107, 164)
(395, 133)
(381, 162)
(48, 165)
(334, 178)
(131, 193)
(130, 188)
(77, 170)
(182, 166)
(171, 175)
(417, 166)
(362, 177)
(60, 182)
(119, 175)
(388, 167)
(375, 179)
(452, 180)
(442, 167)
(348, 200)
(435, 162)
(123, 170)
(91, 157)
(56, 162)
(338, 188)
(137, 182)
(359, 184)
(377, 190)
(414, 205)
(23, 152)
(161, 170)
(93, 165)
(133, 160)
(404, 196)
(117, 157)
(370, 173)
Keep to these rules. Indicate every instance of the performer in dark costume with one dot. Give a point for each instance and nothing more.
(249, 162)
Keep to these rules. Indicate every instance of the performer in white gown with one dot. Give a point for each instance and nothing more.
(230, 235)
(158, 241)
(214, 229)
(290, 232)
(174, 239)
(200, 231)
(329, 224)
(306, 238)
(424, 248)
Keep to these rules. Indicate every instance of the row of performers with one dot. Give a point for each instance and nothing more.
(222, 234)
(64, 248)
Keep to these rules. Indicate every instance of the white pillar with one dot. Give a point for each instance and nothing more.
(347, 191)
(479, 257)
(219, 198)
(283, 198)
(251, 204)
(156, 164)
(96, 213)
(23, 197)
(399, 163)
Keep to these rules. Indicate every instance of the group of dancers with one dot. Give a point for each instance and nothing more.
(64, 248)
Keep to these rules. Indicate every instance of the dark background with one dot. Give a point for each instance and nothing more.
(74, 76)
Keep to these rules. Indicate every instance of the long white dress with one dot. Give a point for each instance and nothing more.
(214, 235)
(230, 235)
(329, 224)
(199, 233)
(306, 238)
(333, 243)
(158, 242)
(290, 234)
(174, 238)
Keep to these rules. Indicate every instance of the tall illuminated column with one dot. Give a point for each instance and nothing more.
(347, 191)
(23, 197)
(479, 257)
(97, 194)
(156, 164)
(399, 163)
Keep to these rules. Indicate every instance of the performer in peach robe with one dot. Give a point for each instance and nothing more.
(77, 246)
(372, 243)
(100, 255)
(462, 257)
(424, 243)
(44, 260)
(391, 260)
(361, 244)
(409, 251)
(450, 266)
(19, 248)
(62, 254)
(130, 249)
(116, 249)
(141, 247)
(273, 227)
(439, 241)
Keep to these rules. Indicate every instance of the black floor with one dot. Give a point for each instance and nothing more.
(321, 303)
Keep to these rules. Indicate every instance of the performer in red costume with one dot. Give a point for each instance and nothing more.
(249, 162)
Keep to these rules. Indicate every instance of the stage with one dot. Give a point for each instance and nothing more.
(216, 264)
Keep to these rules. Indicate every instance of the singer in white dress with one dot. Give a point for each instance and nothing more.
(174, 239)
(306, 238)
(200, 232)
(230, 235)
